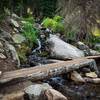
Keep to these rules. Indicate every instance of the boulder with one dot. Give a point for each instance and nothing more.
(34, 91)
(52, 94)
(76, 77)
(62, 50)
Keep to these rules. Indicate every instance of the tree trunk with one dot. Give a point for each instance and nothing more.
(46, 71)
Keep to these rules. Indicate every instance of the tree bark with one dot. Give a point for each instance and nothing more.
(46, 71)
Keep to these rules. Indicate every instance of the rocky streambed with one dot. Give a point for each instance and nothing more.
(66, 78)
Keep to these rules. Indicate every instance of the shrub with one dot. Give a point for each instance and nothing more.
(29, 31)
(57, 18)
(29, 19)
(54, 24)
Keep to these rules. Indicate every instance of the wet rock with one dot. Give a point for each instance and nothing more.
(18, 38)
(2, 56)
(34, 91)
(62, 50)
(52, 94)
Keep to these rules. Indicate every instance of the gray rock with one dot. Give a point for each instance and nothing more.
(52, 94)
(15, 16)
(5, 35)
(34, 91)
(1, 50)
(14, 54)
(97, 45)
(14, 23)
(94, 53)
(62, 50)
(1, 45)
(18, 38)
(2, 56)
(84, 48)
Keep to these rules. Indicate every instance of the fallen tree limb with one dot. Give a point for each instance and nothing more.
(46, 71)
(93, 57)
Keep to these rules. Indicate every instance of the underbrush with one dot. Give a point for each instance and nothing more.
(29, 31)
(55, 24)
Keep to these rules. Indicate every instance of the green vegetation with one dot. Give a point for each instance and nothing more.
(30, 19)
(29, 31)
(55, 24)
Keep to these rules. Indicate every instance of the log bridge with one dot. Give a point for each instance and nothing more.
(47, 71)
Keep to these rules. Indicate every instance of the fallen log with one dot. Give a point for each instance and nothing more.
(46, 71)
(93, 57)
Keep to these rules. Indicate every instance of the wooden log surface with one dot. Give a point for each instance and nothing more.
(45, 71)
(93, 57)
